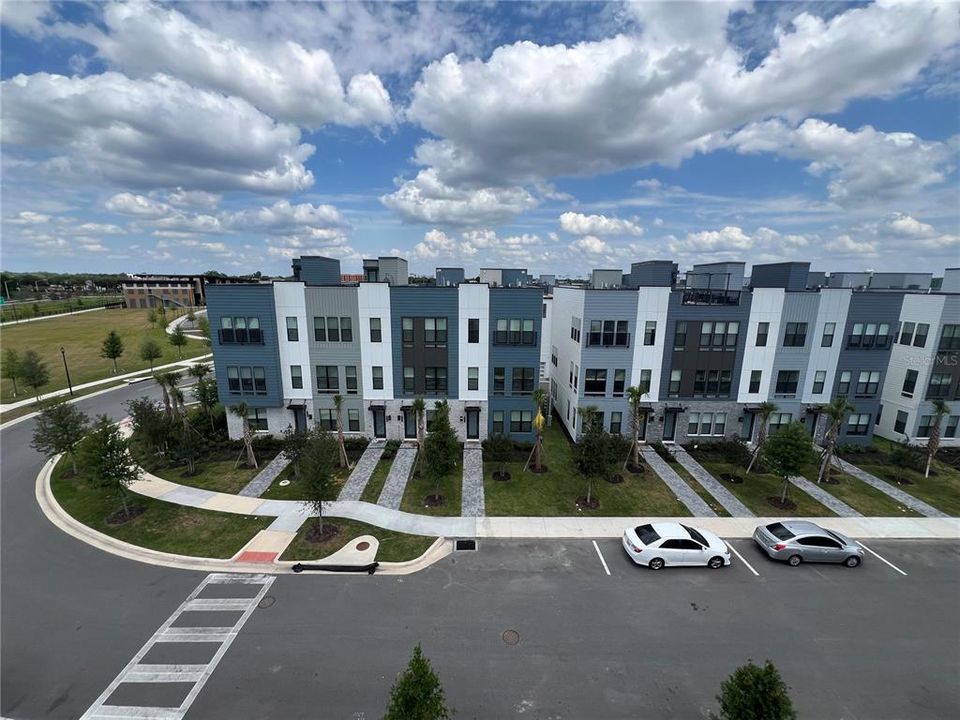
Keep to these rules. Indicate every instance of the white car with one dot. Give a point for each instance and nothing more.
(669, 543)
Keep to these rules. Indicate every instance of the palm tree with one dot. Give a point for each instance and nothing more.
(198, 370)
(169, 381)
(634, 398)
(242, 411)
(539, 400)
(940, 409)
(764, 412)
(338, 405)
(162, 383)
(419, 411)
(836, 410)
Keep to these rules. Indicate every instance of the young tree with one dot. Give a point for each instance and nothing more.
(205, 393)
(441, 449)
(539, 402)
(755, 693)
(150, 350)
(59, 429)
(105, 456)
(940, 410)
(634, 398)
(153, 430)
(169, 382)
(152, 317)
(417, 693)
(338, 406)
(204, 326)
(419, 413)
(242, 411)
(178, 340)
(34, 371)
(12, 367)
(788, 452)
(188, 448)
(316, 466)
(294, 445)
(499, 448)
(836, 411)
(191, 315)
(763, 417)
(592, 451)
(112, 348)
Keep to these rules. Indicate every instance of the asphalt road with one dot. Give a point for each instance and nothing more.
(863, 643)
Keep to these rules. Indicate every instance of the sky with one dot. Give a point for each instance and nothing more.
(559, 137)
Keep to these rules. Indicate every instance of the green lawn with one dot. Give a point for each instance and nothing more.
(451, 487)
(757, 487)
(24, 310)
(555, 492)
(82, 338)
(295, 491)
(861, 497)
(213, 475)
(394, 547)
(371, 493)
(162, 526)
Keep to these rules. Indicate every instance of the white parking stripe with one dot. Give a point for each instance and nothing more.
(881, 559)
(749, 566)
(600, 554)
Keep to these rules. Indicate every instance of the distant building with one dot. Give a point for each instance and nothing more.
(449, 276)
(146, 291)
(350, 278)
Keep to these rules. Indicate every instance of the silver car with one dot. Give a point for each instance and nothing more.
(797, 541)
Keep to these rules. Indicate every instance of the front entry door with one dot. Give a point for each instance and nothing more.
(300, 418)
(409, 423)
(642, 430)
(669, 425)
(746, 431)
(379, 424)
(473, 424)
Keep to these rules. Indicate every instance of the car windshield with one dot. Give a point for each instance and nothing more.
(696, 536)
(836, 537)
(779, 531)
(647, 534)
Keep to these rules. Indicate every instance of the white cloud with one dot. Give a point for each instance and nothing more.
(283, 217)
(911, 227)
(29, 218)
(92, 247)
(27, 18)
(580, 224)
(426, 199)
(729, 238)
(130, 204)
(591, 244)
(434, 244)
(158, 132)
(194, 198)
(92, 228)
(846, 245)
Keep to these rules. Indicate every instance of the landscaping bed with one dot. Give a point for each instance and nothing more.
(295, 491)
(419, 488)
(161, 525)
(394, 546)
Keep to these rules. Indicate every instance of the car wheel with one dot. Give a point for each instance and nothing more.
(715, 562)
(852, 561)
(655, 564)
(794, 560)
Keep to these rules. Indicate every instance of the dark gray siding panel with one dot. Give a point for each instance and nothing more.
(320, 271)
(788, 275)
(248, 301)
(523, 304)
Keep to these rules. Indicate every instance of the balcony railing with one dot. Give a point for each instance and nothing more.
(600, 339)
(513, 337)
(707, 296)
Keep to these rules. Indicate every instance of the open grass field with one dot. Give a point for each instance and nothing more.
(162, 526)
(555, 492)
(394, 546)
(82, 338)
(25, 310)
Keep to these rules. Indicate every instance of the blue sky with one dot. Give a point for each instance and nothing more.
(554, 136)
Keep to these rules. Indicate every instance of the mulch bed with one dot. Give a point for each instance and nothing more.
(592, 505)
(120, 517)
(731, 478)
(318, 537)
(543, 469)
(635, 469)
(615, 479)
(501, 476)
(434, 500)
(787, 504)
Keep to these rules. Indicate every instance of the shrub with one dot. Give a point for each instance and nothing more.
(755, 693)
(662, 451)
(390, 449)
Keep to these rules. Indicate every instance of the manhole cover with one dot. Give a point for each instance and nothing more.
(266, 601)
(284, 483)
(511, 637)
(363, 545)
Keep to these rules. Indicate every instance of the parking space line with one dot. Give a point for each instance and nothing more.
(600, 555)
(881, 559)
(742, 559)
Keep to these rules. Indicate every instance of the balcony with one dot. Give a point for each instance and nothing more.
(600, 339)
(707, 296)
(513, 337)
(227, 336)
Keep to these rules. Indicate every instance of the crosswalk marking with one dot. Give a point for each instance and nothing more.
(139, 672)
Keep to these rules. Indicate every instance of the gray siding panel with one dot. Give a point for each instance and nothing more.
(336, 302)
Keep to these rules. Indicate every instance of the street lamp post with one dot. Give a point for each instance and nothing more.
(63, 353)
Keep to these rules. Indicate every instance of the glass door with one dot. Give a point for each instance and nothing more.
(379, 423)
(669, 425)
(473, 424)
(409, 423)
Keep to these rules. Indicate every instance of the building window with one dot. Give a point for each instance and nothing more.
(328, 380)
(829, 329)
(353, 420)
(407, 331)
(858, 424)
(435, 380)
(529, 336)
(650, 333)
(680, 335)
(522, 379)
(920, 339)
(259, 381)
(346, 329)
(351, 377)
(868, 383)
(706, 334)
(952, 423)
(906, 333)
(609, 333)
(520, 421)
(900, 425)
(326, 420)
(240, 330)
(473, 330)
(293, 332)
(843, 387)
(435, 331)
(755, 381)
(619, 382)
(576, 376)
(408, 380)
(319, 329)
(233, 380)
(909, 383)
(673, 390)
(246, 381)
(779, 421)
(544, 310)
(871, 334)
(939, 385)
(950, 338)
(819, 379)
(594, 381)
(473, 378)
(926, 423)
(616, 423)
(257, 419)
(733, 332)
(553, 355)
(570, 379)
(693, 424)
(377, 377)
(763, 330)
(787, 381)
(333, 329)
(575, 329)
(719, 423)
(795, 335)
(499, 380)
(646, 377)
(376, 332)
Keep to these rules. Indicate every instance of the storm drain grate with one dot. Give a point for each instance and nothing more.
(465, 545)
(511, 637)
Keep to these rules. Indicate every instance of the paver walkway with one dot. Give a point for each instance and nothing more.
(353, 488)
(473, 505)
(258, 486)
(823, 497)
(396, 483)
(685, 494)
(727, 499)
(890, 490)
